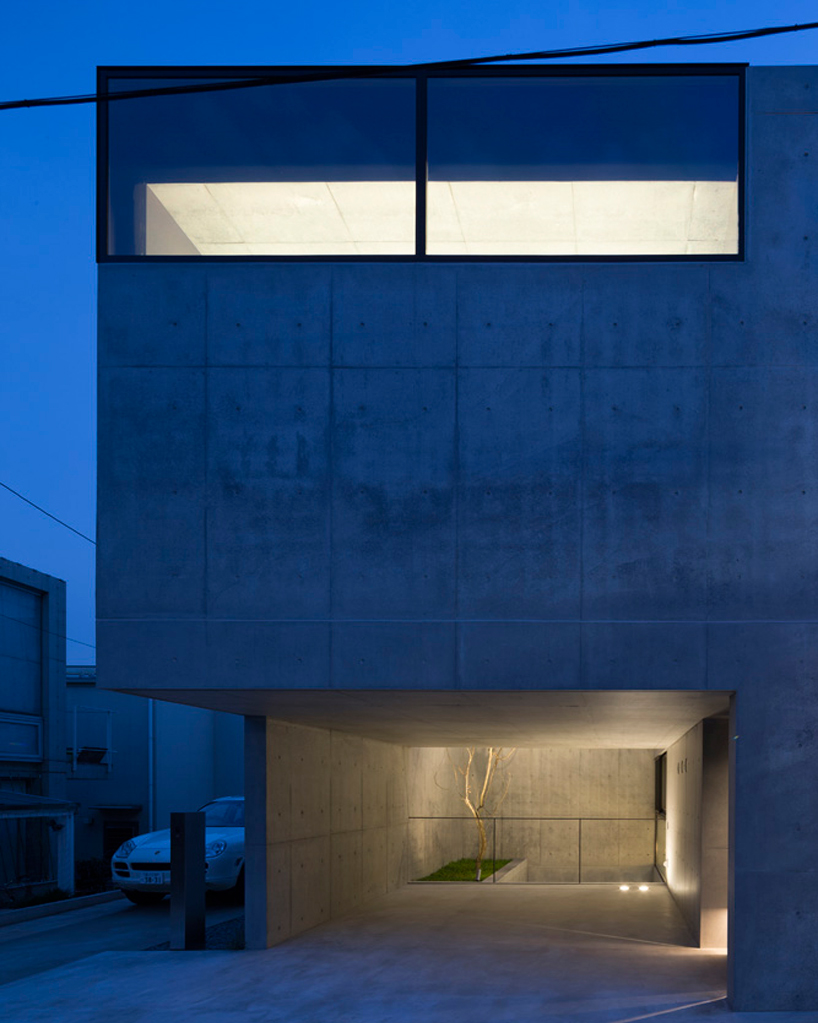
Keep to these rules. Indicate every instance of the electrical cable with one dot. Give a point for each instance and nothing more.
(46, 632)
(22, 497)
(645, 44)
(336, 74)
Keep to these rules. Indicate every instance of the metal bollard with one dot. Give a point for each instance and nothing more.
(187, 880)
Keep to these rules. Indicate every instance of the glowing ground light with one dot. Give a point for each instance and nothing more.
(624, 888)
(643, 888)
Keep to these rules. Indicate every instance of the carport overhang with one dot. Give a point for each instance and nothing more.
(633, 719)
(335, 777)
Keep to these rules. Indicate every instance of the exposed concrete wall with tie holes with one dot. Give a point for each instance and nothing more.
(496, 476)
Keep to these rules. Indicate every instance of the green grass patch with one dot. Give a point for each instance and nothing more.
(464, 870)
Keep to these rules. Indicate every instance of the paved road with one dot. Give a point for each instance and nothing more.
(39, 945)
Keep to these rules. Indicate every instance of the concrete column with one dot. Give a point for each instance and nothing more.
(65, 854)
(773, 944)
(187, 880)
(257, 835)
(684, 826)
(715, 785)
(731, 853)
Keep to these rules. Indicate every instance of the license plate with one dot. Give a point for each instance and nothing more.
(153, 878)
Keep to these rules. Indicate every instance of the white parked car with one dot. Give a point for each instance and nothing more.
(141, 866)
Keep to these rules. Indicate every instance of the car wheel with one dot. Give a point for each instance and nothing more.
(145, 898)
(238, 887)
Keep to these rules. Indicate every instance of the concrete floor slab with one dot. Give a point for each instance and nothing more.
(40, 945)
(488, 954)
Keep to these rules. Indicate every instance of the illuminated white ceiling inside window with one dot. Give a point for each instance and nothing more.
(557, 218)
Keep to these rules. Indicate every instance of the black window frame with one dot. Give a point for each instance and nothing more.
(421, 76)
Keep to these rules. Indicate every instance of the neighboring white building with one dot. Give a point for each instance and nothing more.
(33, 848)
(139, 760)
(124, 763)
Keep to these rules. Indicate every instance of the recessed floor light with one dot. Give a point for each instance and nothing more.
(624, 888)
(643, 888)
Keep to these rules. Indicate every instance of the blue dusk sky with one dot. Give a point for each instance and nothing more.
(48, 279)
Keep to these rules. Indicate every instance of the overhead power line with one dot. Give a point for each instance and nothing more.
(336, 74)
(647, 44)
(22, 497)
(47, 632)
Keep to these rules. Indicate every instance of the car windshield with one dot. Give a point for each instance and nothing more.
(228, 813)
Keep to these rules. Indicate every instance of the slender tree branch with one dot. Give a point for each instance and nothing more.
(496, 756)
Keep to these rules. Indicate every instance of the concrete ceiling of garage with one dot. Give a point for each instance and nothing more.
(613, 719)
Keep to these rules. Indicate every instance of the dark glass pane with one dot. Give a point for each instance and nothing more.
(320, 167)
(21, 658)
(20, 740)
(584, 165)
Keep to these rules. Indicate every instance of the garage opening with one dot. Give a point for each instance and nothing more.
(625, 789)
(350, 795)
(632, 816)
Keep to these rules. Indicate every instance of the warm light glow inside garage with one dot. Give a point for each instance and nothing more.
(625, 788)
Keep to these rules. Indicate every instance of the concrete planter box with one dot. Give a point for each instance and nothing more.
(512, 873)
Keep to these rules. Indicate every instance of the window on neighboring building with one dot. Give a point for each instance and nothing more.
(21, 649)
(21, 737)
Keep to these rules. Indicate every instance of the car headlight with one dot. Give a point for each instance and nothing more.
(125, 849)
(216, 848)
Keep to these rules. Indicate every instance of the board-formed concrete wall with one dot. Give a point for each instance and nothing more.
(684, 826)
(715, 833)
(483, 476)
(697, 830)
(326, 824)
(572, 814)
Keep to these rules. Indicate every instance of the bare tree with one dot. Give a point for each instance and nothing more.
(473, 784)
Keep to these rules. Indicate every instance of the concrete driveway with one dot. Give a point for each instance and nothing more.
(423, 954)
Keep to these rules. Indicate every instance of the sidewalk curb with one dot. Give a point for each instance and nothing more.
(19, 916)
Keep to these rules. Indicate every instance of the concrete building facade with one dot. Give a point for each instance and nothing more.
(398, 503)
(32, 681)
